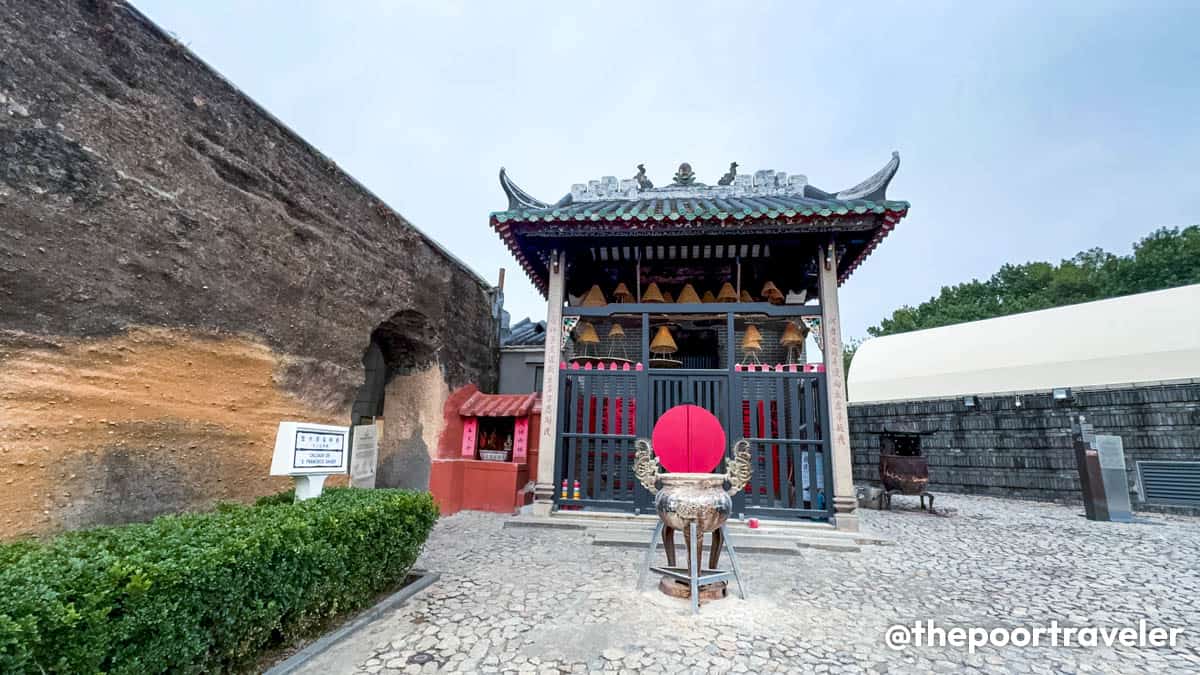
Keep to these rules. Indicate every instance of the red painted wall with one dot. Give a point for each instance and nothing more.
(450, 440)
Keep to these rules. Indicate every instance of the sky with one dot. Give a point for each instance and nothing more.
(1027, 131)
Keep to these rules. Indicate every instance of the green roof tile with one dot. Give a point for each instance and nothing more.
(693, 208)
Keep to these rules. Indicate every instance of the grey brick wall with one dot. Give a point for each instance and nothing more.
(998, 448)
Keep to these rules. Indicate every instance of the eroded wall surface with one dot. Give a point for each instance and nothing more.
(179, 272)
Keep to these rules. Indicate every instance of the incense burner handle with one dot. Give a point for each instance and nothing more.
(737, 469)
(645, 465)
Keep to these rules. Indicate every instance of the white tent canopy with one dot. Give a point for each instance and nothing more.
(1137, 338)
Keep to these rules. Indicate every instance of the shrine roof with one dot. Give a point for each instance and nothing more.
(500, 405)
(765, 193)
(782, 202)
(667, 208)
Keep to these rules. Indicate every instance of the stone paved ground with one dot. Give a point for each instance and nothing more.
(544, 601)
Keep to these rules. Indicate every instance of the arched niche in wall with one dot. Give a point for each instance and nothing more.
(402, 343)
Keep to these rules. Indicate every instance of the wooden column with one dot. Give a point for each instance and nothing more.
(543, 491)
(845, 501)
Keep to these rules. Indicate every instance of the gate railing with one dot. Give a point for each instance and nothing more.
(784, 416)
(782, 412)
(598, 416)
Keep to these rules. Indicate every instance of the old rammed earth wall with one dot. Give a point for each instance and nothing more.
(179, 272)
(999, 448)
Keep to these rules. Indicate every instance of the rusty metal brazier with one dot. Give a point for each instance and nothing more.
(906, 475)
(903, 469)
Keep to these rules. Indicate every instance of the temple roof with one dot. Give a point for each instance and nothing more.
(667, 208)
(525, 333)
(771, 197)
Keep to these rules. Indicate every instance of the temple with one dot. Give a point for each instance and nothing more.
(691, 293)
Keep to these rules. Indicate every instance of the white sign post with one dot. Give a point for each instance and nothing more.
(309, 453)
(364, 456)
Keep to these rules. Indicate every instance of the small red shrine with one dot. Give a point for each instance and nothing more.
(487, 459)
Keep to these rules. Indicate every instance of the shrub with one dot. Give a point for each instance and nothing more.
(285, 497)
(202, 592)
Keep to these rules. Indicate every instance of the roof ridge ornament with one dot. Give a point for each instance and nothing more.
(642, 181)
(685, 175)
(764, 183)
(875, 187)
(727, 179)
(518, 198)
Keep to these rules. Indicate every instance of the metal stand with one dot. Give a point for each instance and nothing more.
(885, 500)
(694, 575)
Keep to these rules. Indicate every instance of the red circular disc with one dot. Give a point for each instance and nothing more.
(688, 439)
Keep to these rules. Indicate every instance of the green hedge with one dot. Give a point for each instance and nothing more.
(203, 592)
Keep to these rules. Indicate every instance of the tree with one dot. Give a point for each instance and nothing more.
(1166, 258)
(848, 350)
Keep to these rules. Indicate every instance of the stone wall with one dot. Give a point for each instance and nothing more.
(179, 271)
(998, 448)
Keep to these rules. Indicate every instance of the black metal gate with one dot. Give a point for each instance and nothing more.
(782, 414)
(598, 422)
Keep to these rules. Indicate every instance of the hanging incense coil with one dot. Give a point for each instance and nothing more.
(688, 296)
(770, 290)
(586, 334)
(752, 339)
(663, 343)
(745, 297)
(621, 293)
(668, 298)
(652, 294)
(727, 294)
(616, 346)
(708, 297)
(594, 297)
(792, 336)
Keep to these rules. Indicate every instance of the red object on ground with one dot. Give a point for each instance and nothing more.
(689, 439)
(753, 523)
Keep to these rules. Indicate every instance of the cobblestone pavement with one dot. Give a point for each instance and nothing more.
(545, 601)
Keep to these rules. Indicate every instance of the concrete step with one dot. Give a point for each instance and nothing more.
(640, 540)
(813, 535)
(754, 541)
(603, 519)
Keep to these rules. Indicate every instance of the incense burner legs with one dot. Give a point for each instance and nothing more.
(693, 504)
